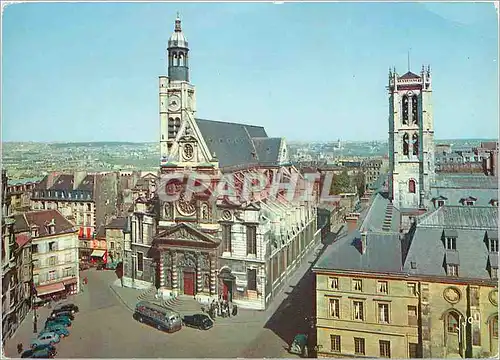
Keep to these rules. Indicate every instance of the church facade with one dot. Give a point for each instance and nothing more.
(205, 246)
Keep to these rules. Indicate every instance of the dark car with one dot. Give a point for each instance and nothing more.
(59, 313)
(67, 307)
(51, 350)
(199, 321)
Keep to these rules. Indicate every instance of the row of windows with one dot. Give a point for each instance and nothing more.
(382, 286)
(358, 311)
(251, 238)
(467, 202)
(360, 346)
(53, 275)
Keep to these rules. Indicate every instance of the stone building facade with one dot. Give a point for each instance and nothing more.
(206, 247)
(20, 192)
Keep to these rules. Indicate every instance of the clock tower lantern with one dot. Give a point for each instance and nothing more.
(177, 95)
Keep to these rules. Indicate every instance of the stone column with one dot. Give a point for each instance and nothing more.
(175, 285)
(199, 280)
(213, 277)
(162, 269)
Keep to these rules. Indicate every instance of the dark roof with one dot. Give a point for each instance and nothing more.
(490, 145)
(21, 224)
(465, 181)
(44, 217)
(409, 75)
(63, 182)
(461, 217)
(455, 196)
(87, 183)
(234, 144)
(382, 254)
(100, 232)
(117, 223)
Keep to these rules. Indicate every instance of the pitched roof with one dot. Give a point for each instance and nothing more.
(238, 144)
(409, 75)
(117, 223)
(44, 217)
(20, 224)
(382, 254)
(381, 216)
(87, 183)
(63, 182)
(465, 181)
(455, 196)
(461, 217)
(32, 180)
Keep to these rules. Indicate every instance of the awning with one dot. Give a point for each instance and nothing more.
(49, 289)
(69, 281)
(98, 253)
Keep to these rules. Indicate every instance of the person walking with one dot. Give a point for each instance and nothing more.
(19, 348)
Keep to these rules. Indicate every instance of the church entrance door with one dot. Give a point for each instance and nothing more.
(188, 282)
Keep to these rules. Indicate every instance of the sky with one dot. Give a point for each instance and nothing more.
(304, 71)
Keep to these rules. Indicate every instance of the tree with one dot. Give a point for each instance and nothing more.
(340, 183)
(359, 182)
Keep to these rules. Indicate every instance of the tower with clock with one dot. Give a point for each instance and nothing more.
(411, 138)
(177, 99)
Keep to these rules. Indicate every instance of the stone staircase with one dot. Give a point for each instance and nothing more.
(149, 295)
(184, 305)
(386, 226)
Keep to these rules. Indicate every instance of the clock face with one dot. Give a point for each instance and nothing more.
(174, 103)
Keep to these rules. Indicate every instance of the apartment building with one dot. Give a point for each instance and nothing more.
(431, 293)
(54, 247)
(20, 192)
(115, 236)
(372, 169)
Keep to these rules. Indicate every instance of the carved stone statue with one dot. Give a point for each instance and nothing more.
(204, 212)
(167, 262)
(168, 278)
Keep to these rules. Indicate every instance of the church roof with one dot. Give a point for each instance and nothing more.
(409, 75)
(239, 144)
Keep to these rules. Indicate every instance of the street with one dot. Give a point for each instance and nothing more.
(104, 327)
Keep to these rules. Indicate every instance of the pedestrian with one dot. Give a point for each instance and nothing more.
(235, 310)
(19, 348)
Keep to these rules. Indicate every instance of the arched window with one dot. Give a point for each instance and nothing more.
(415, 144)
(174, 59)
(406, 145)
(414, 109)
(494, 326)
(452, 322)
(411, 186)
(405, 109)
(181, 59)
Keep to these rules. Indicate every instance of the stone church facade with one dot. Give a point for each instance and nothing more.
(241, 250)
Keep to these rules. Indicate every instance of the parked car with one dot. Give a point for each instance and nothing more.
(59, 313)
(46, 338)
(199, 321)
(83, 266)
(67, 307)
(51, 350)
(100, 266)
(299, 345)
(59, 320)
(161, 318)
(59, 329)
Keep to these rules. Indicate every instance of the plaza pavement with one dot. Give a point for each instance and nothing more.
(104, 327)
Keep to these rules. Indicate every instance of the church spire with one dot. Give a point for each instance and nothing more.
(178, 23)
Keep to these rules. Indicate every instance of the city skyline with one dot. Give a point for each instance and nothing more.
(116, 53)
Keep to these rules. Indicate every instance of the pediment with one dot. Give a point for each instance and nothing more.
(469, 198)
(252, 206)
(184, 233)
(440, 197)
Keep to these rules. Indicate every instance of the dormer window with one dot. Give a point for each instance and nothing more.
(469, 201)
(494, 202)
(34, 232)
(492, 241)
(450, 239)
(452, 270)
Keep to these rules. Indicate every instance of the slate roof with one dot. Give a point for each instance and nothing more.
(63, 182)
(465, 181)
(87, 183)
(409, 75)
(455, 196)
(458, 217)
(238, 144)
(381, 216)
(470, 225)
(21, 224)
(44, 217)
(383, 254)
(117, 223)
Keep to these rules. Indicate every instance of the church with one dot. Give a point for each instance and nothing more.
(417, 275)
(240, 251)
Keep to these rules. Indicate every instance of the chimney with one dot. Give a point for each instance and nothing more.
(52, 226)
(78, 177)
(352, 222)
(363, 243)
(50, 179)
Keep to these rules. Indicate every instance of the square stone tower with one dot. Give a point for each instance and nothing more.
(411, 138)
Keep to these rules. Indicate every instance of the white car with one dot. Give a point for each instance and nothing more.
(46, 338)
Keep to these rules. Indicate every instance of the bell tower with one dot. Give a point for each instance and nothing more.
(177, 95)
(411, 138)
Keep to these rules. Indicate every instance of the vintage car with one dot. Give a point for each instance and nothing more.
(67, 307)
(45, 338)
(199, 321)
(62, 313)
(59, 329)
(48, 349)
(59, 320)
(299, 345)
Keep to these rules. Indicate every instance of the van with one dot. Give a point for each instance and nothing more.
(154, 315)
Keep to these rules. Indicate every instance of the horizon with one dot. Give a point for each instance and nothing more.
(115, 52)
